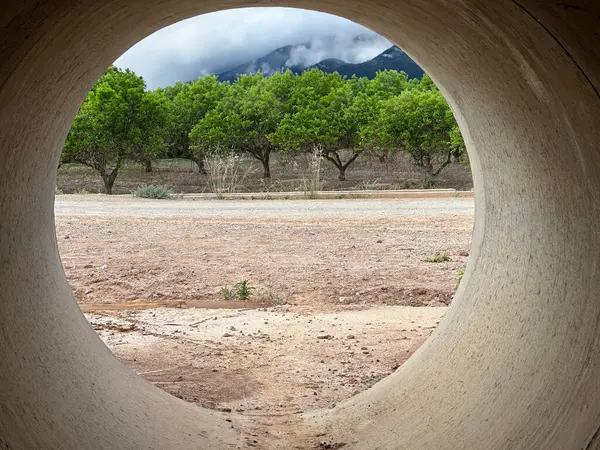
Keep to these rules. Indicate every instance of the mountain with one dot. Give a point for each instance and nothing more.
(285, 58)
(330, 65)
(269, 64)
(392, 59)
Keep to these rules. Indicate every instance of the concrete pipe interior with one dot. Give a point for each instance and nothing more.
(515, 363)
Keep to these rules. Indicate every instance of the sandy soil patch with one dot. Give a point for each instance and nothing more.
(319, 265)
(339, 304)
(265, 361)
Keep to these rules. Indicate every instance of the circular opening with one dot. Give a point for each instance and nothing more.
(261, 294)
(515, 361)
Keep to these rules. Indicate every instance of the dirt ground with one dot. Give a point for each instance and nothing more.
(265, 361)
(316, 265)
(339, 303)
(288, 174)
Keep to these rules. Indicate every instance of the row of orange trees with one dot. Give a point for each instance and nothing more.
(120, 120)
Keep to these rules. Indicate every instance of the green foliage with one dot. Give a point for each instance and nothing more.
(314, 118)
(326, 112)
(340, 118)
(438, 258)
(118, 121)
(387, 83)
(461, 273)
(242, 290)
(188, 104)
(244, 118)
(152, 191)
(151, 122)
(419, 122)
(228, 293)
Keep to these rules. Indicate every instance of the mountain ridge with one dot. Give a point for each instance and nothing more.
(279, 60)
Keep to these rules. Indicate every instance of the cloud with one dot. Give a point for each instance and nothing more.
(213, 43)
(349, 48)
(266, 69)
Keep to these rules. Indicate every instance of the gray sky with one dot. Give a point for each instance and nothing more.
(213, 43)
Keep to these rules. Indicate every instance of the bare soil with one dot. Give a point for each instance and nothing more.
(316, 265)
(265, 361)
(288, 174)
(339, 303)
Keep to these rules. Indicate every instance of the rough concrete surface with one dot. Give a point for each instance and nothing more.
(514, 364)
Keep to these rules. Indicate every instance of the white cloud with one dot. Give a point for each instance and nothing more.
(215, 42)
(342, 46)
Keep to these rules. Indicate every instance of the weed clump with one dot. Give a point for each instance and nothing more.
(225, 173)
(152, 191)
(227, 293)
(459, 276)
(242, 290)
(438, 258)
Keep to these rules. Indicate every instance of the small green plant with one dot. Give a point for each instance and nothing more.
(152, 191)
(461, 272)
(58, 191)
(243, 290)
(227, 293)
(438, 258)
(278, 300)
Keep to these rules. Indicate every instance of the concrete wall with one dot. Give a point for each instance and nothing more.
(515, 363)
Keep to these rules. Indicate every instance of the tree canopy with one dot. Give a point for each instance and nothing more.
(118, 121)
(243, 120)
(419, 122)
(188, 104)
(340, 118)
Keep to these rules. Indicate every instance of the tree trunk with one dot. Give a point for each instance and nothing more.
(337, 162)
(148, 166)
(200, 163)
(266, 167)
(426, 164)
(187, 153)
(429, 179)
(107, 186)
(109, 178)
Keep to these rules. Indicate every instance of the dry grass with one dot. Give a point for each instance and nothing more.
(288, 175)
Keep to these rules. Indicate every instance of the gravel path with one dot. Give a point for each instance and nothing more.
(101, 205)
